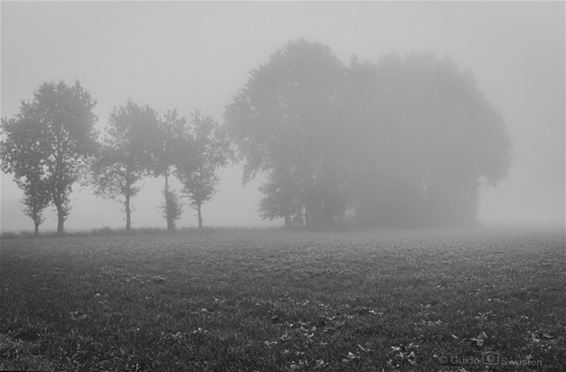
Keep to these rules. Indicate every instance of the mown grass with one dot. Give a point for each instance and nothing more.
(268, 301)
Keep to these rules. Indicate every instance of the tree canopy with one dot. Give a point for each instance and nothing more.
(283, 122)
(404, 141)
(22, 156)
(57, 129)
(206, 151)
(425, 137)
(125, 154)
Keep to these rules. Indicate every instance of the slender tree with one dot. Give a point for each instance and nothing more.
(168, 151)
(172, 208)
(125, 154)
(22, 155)
(208, 151)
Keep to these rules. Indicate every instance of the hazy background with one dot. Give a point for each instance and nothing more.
(197, 55)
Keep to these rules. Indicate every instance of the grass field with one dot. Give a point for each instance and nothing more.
(276, 300)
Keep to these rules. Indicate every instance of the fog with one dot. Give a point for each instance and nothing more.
(193, 56)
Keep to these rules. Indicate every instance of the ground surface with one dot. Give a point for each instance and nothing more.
(253, 300)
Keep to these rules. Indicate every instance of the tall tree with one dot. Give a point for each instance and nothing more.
(125, 154)
(425, 136)
(22, 155)
(65, 139)
(207, 151)
(283, 121)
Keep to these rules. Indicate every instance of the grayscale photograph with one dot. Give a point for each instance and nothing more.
(282, 186)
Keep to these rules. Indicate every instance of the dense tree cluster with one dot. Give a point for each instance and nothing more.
(401, 142)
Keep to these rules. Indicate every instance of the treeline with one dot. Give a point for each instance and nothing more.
(404, 141)
(52, 144)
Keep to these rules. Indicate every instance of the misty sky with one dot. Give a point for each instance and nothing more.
(197, 55)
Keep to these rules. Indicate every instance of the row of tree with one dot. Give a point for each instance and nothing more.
(51, 144)
(405, 141)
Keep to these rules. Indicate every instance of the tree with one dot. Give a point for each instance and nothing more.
(125, 154)
(425, 136)
(168, 151)
(22, 155)
(282, 197)
(63, 135)
(284, 122)
(172, 208)
(207, 151)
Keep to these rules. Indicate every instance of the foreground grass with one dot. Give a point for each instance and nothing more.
(250, 301)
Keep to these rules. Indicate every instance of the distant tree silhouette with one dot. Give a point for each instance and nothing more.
(125, 154)
(206, 150)
(60, 138)
(427, 137)
(172, 208)
(405, 141)
(283, 124)
(168, 151)
(22, 155)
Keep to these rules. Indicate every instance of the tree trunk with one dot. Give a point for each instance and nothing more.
(166, 175)
(308, 199)
(128, 212)
(199, 213)
(310, 219)
(168, 212)
(287, 221)
(60, 218)
(36, 230)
